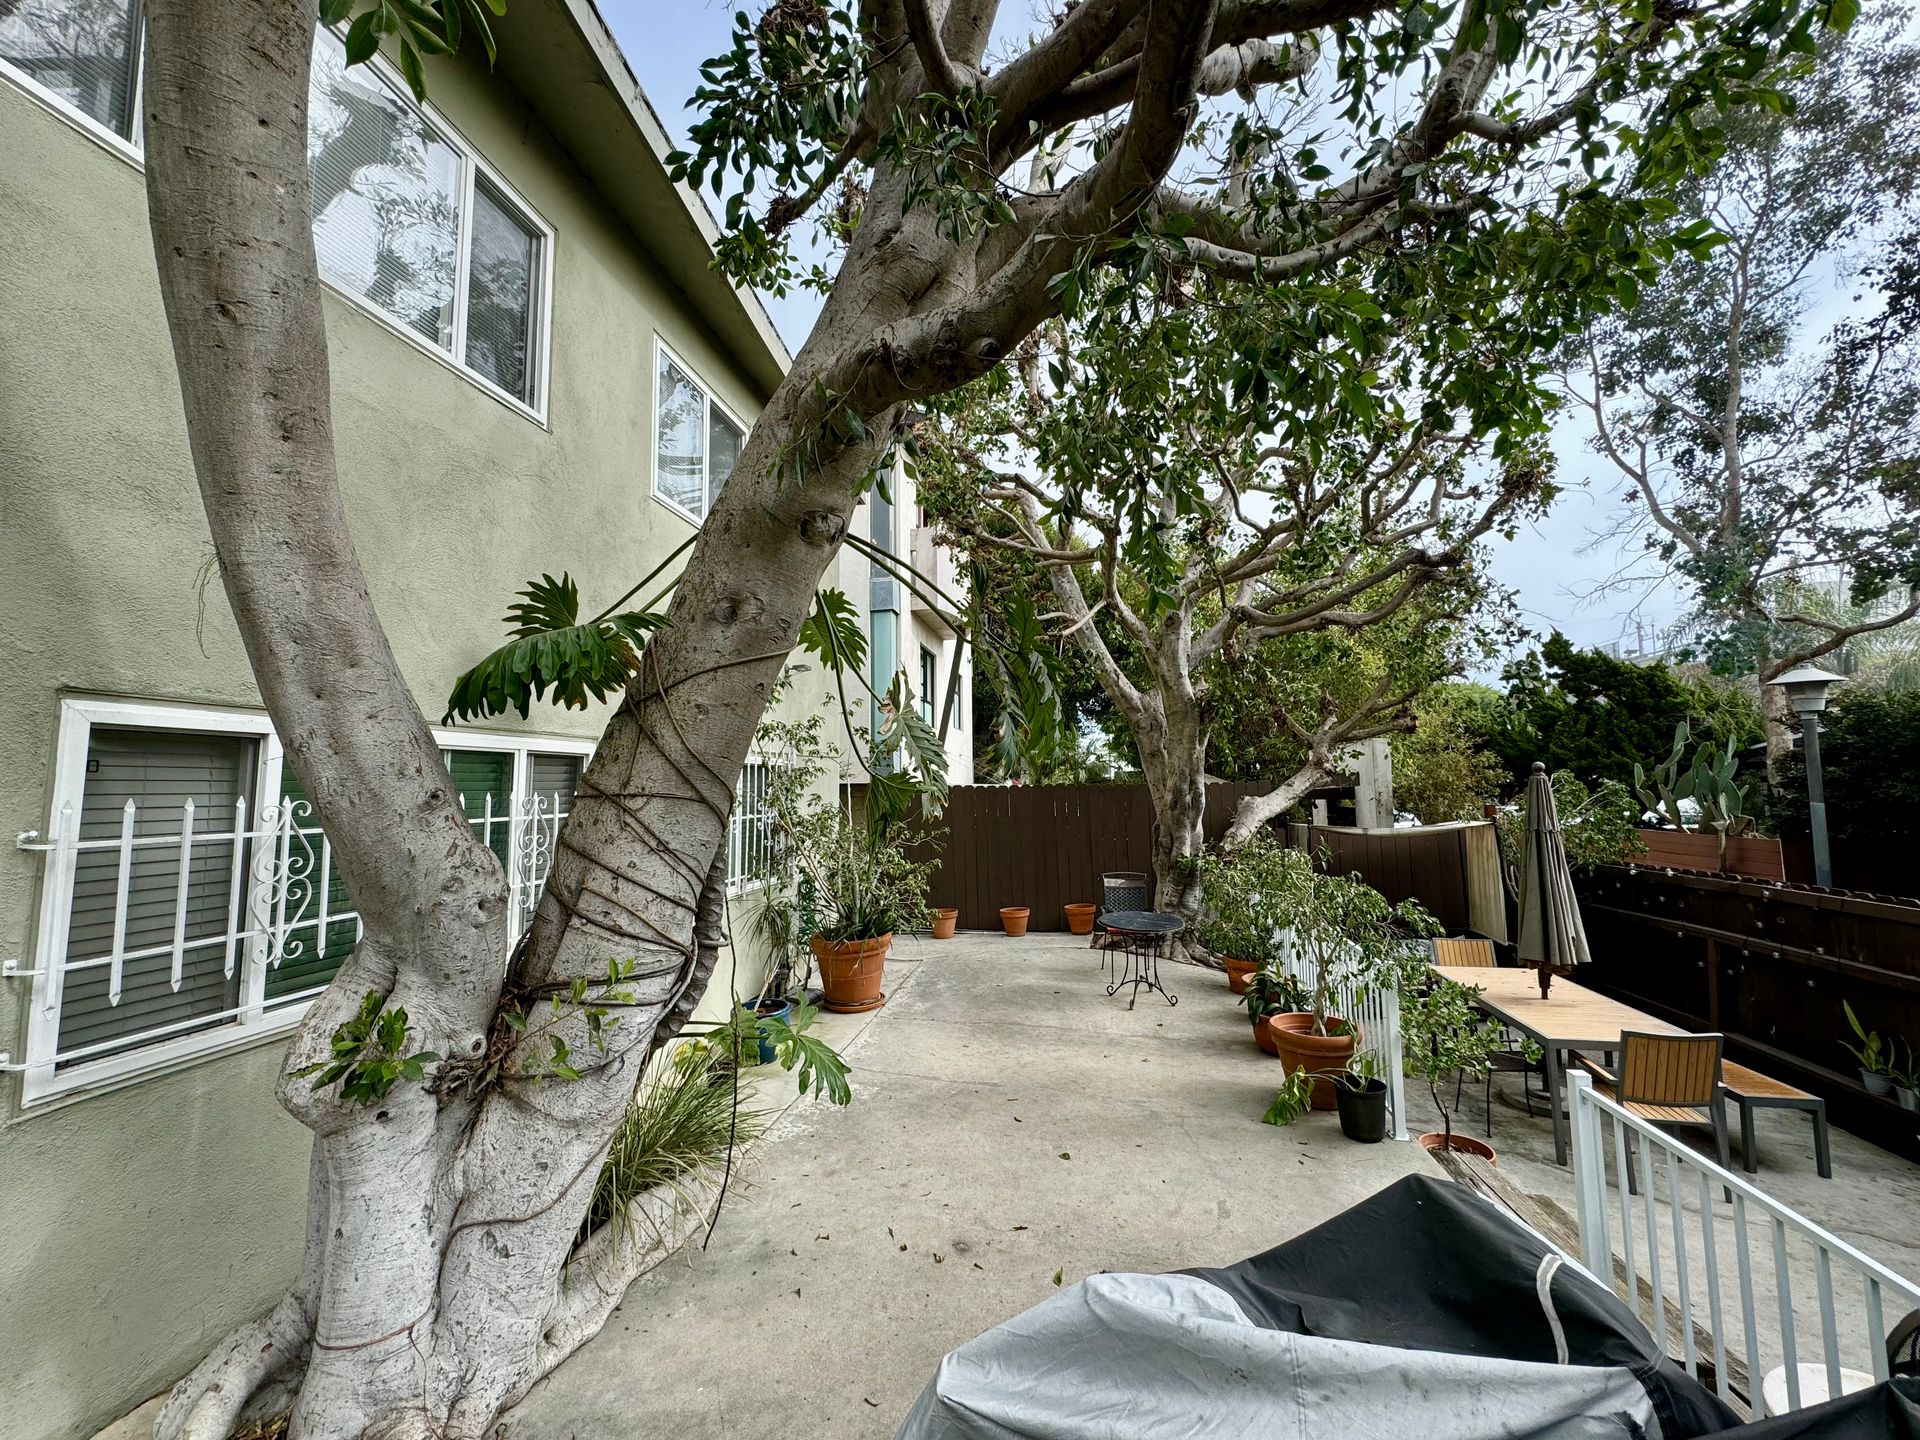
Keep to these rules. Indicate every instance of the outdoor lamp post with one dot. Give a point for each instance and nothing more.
(1806, 687)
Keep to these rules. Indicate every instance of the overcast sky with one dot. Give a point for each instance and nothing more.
(1551, 565)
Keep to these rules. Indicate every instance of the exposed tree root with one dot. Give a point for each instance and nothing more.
(250, 1375)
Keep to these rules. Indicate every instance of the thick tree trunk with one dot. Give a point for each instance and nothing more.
(1173, 761)
(435, 1286)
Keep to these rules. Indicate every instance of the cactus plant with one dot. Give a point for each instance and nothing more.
(1708, 781)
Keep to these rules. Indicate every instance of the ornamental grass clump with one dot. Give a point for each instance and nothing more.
(677, 1132)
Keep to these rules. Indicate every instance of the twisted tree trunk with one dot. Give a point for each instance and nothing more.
(435, 1288)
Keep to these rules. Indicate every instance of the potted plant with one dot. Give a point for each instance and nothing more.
(1877, 1068)
(1247, 900)
(1293, 1099)
(1271, 992)
(1446, 1035)
(1080, 918)
(1351, 943)
(851, 887)
(945, 922)
(1013, 920)
(1361, 1096)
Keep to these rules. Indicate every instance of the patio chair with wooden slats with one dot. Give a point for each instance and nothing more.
(1667, 1080)
(1475, 952)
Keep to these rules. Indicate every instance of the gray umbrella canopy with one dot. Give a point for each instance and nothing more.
(1551, 935)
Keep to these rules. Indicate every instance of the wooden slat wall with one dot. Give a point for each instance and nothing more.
(1453, 870)
(1768, 966)
(1692, 850)
(1046, 846)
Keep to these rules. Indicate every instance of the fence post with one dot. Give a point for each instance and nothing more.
(1590, 1178)
(1396, 1061)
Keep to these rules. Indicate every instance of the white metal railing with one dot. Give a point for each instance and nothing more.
(1376, 1011)
(1773, 1253)
(272, 886)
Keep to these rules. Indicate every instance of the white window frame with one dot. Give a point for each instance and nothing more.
(251, 1021)
(472, 163)
(62, 108)
(662, 350)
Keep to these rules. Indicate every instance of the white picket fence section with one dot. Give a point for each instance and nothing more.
(1750, 1275)
(1377, 1014)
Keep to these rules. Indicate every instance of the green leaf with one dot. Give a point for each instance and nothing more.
(553, 650)
(362, 38)
(833, 632)
(334, 12)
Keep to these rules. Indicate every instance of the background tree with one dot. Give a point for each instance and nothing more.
(441, 1275)
(1593, 716)
(1751, 453)
(1442, 769)
(1320, 532)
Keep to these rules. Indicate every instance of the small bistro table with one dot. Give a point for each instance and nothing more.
(1141, 933)
(1575, 1018)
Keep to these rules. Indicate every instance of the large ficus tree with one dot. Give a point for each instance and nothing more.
(1760, 442)
(1201, 514)
(441, 1276)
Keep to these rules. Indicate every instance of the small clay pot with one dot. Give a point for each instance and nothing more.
(945, 922)
(850, 972)
(1013, 919)
(1323, 1056)
(1463, 1144)
(1239, 974)
(1080, 918)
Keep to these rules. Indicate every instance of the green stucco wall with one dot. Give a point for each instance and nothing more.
(144, 1221)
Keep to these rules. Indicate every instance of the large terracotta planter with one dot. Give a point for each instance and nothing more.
(1013, 919)
(1239, 974)
(945, 922)
(1080, 918)
(850, 972)
(1324, 1056)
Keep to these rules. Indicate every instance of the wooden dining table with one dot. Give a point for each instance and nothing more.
(1571, 1018)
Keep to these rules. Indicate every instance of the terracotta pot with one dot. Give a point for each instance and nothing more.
(1239, 974)
(1013, 919)
(1324, 1056)
(1080, 918)
(1263, 1035)
(850, 972)
(1464, 1144)
(945, 922)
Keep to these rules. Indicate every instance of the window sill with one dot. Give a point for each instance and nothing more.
(121, 1072)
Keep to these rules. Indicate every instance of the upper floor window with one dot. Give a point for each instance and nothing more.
(406, 217)
(696, 443)
(85, 53)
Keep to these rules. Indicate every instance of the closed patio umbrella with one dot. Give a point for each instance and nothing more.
(1551, 935)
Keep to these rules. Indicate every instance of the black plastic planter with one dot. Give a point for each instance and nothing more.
(1363, 1108)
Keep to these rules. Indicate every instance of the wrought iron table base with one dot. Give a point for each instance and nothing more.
(1141, 968)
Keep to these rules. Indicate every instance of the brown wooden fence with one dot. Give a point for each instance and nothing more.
(1452, 870)
(1046, 846)
(1768, 966)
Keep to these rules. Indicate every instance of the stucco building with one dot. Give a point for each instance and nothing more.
(535, 369)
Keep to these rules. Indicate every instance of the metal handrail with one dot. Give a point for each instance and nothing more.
(1589, 1111)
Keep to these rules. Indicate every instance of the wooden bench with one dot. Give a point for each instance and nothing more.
(1752, 1091)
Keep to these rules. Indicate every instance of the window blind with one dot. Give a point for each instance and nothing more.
(158, 770)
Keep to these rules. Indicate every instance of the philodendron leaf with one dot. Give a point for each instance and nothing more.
(832, 632)
(551, 649)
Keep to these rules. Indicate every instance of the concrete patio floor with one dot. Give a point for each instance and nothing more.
(1010, 1123)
